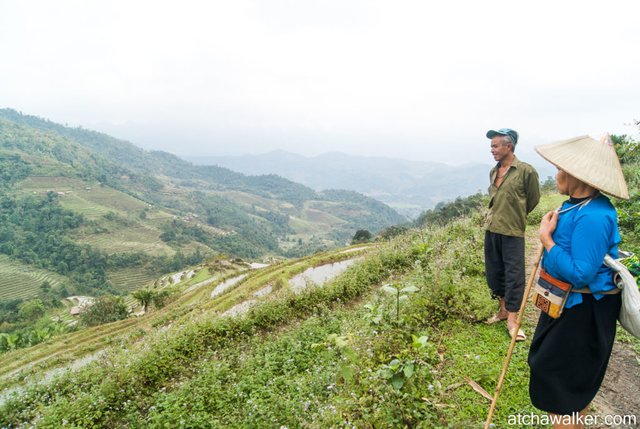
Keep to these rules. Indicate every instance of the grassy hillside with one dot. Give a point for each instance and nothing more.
(345, 354)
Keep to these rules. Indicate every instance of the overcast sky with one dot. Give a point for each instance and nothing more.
(417, 79)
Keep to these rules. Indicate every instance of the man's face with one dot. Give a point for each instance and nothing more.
(499, 149)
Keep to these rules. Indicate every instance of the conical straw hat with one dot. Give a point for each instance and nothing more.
(591, 161)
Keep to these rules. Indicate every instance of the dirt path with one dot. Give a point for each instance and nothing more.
(619, 394)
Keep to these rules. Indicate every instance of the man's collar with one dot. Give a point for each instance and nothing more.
(515, 163)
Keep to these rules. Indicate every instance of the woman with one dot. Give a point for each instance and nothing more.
(569, 355)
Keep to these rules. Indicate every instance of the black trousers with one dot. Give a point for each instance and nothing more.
(568, 357)
(504, 268)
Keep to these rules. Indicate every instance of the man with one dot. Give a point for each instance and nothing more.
(514, 191)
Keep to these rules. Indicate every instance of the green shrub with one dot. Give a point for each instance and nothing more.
(105, 309)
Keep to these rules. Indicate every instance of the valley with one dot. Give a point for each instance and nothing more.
(390, 333)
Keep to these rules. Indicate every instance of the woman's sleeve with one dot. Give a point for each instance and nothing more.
(589, 244)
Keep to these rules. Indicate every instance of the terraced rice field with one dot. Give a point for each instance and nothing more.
(18, 280)
(82, 206)
(70, 347)
(88, 198)
(51, 183)
(306, 228)
(321, 212)
(131, 279)
(195, 301)
(94, 202)
(248, 200)
(156, 217)
(133, 238)
(115, 200)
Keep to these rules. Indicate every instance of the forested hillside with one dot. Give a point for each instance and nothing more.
(84, 213)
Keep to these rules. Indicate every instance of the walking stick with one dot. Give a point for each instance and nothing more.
(532, 276)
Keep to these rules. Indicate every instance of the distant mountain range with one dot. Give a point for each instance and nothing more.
(408, 186)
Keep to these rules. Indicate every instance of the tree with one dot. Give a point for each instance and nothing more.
(45, 287)
(627, 148)
(361, 236)
(105, 309)
(9, 341)
(50, 297)
(144, 297)
(160, 298)
(549, 184)
(31, 310)
(445, 212)
(392, 231)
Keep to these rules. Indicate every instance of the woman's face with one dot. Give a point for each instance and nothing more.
(566, 183)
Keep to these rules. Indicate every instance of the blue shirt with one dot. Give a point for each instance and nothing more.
(583, 237)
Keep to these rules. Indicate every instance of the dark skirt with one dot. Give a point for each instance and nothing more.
(568, 356)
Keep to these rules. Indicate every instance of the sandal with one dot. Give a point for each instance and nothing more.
(520, 336)
(495, 319)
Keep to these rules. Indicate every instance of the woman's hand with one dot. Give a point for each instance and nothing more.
(547, 226)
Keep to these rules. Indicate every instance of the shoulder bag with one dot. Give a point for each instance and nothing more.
(629, 316)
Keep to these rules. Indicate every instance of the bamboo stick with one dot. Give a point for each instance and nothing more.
(525, 298)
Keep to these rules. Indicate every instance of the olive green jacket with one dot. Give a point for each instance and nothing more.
(509, 204)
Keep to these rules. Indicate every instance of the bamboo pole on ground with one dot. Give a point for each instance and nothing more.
(525, 298)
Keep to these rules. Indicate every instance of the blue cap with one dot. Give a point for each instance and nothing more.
(504, 132)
